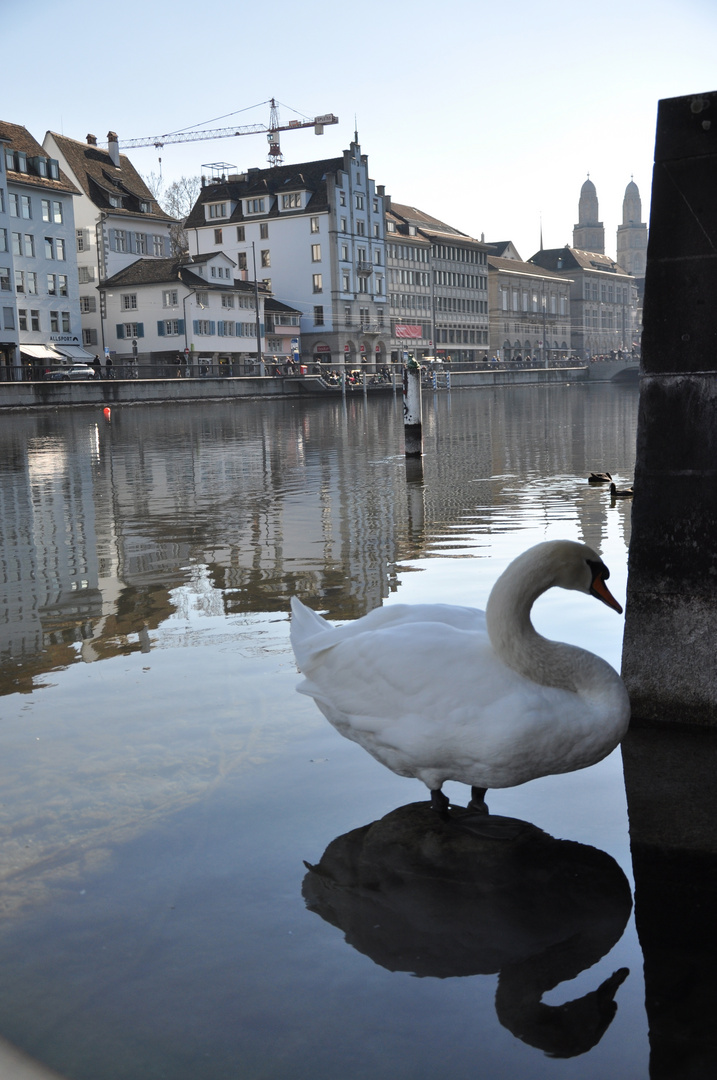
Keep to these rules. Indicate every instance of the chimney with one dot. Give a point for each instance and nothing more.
(113, 147)
(92, 140)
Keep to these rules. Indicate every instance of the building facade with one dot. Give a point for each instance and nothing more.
(603, 301)
(117, 221)
(184, 313)
(438, 285)
(314, 234)
(38, 272)
(529, 309)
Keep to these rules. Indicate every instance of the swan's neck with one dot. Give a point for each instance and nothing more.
(517, 642)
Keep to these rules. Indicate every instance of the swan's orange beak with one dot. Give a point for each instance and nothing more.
(600, 589)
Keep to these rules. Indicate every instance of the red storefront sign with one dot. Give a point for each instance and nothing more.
(404, 330)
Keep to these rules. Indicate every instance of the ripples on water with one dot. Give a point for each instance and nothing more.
(162, 781)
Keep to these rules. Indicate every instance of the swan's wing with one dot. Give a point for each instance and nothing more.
(426, 669)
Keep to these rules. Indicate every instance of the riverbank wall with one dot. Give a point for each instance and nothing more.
(112, 392)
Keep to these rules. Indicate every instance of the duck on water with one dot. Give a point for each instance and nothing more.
(440, 692)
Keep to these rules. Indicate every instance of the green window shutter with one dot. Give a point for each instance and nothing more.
(180, 325)
(160, 327)
(120, 330)
(212, 327)
(140, 329)
(195, 325)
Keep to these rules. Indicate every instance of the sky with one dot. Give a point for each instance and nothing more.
(488, 116)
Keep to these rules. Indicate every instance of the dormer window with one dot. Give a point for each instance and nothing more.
(115, 201)
(254, 206)
(145, 208)
(216, 210)
(292, 201)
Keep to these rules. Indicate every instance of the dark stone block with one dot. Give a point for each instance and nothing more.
(686, 127)
(669, 663)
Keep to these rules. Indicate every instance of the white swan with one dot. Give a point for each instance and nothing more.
(442, 693)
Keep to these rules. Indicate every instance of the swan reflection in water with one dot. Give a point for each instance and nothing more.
(415, 895)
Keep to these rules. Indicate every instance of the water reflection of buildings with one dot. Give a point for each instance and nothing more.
(101, 523)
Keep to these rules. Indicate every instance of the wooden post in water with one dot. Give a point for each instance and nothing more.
(669, 660)
(412, 418)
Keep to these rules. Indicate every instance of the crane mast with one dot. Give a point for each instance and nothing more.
(272, 133)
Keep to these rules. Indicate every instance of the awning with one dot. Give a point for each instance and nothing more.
(39, 352)
(74, 352)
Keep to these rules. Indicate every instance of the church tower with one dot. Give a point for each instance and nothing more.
(589, 233)
(632, 234)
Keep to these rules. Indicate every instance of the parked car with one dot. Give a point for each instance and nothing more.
(80, 371)
(75, 371)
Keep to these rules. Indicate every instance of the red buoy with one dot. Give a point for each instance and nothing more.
(107, 411)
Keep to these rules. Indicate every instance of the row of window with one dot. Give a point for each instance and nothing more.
(420, 302)
(410, 277)
(21, 206)
(37, 165)
(364, 283)
(462, 304)
(521, 328)
(23, 245)
(241, 234)
(201, 327)
(359, 227)
(363, 320)
(609, 294)
(413, 301)
(224, 328)
(451, 253)
(290, 200)
(361, 255)
(59, 320)
(170, 299)
(529, 301)
(451, 336)
(602, 320)
(407, 252)
(461, 281)
(137, 243)
(26, 281)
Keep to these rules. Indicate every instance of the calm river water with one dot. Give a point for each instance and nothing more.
(163, 784)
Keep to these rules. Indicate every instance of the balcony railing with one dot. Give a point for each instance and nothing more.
(364, 268)
(370, 328)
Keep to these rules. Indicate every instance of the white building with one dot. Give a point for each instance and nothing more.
(314, 233)
(184, 309)
(38, 271)
(117, 221)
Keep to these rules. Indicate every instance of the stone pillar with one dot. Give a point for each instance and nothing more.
(669, 660)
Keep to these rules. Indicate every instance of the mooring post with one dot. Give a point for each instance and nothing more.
(669, 660)
(412, 418)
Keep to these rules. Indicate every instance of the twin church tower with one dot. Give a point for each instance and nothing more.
(589, 233)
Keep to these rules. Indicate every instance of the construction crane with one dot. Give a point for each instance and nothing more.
(272, 132)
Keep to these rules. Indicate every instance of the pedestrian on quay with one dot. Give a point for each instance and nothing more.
(108, 368)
